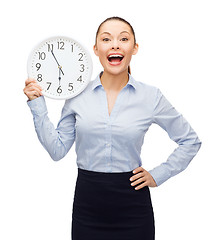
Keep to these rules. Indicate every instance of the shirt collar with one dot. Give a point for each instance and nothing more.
(97, 82)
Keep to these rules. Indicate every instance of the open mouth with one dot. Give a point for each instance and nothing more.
(115, 59)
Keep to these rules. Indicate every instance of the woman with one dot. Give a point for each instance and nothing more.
(108, 121)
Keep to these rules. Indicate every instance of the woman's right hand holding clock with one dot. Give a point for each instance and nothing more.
(32, 90)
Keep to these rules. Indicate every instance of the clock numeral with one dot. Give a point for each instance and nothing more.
(39, 77)
(49, 85)
(70, 87)
(83, 67)
(38, 65)
(81, 56)
(61, 45)
(59, 90)
(79, 79)
(50, 47)
(42, 55)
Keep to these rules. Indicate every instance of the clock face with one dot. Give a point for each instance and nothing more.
(61, 66)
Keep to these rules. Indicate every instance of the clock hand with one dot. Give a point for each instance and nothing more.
(59, 78)
(57, 62)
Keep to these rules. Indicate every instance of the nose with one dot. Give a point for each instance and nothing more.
(115, 45)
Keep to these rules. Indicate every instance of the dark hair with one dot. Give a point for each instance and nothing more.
(118, 19)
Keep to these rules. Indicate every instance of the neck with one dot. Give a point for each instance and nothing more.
(113, 82)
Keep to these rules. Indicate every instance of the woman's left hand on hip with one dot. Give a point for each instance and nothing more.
(142, 176)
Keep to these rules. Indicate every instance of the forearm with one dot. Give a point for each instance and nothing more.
(176, 162)
(53, 140)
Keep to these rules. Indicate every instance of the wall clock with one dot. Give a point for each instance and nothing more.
(61, 65)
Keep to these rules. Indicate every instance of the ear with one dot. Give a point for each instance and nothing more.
(136, 47)
(95, 50)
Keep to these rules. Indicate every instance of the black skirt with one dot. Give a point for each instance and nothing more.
(107, 207)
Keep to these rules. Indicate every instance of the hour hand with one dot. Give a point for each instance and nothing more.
(59, 77)
(57, 62)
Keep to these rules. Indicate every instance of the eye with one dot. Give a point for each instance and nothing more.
(124, 39)
(106, 39)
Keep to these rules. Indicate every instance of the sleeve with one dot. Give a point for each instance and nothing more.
(180, 131)
(57, 141)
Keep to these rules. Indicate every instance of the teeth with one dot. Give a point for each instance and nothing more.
(115, 55)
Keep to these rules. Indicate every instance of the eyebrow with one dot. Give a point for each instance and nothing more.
(125, 32)
(110, 33)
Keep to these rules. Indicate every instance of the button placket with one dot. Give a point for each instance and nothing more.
(109, 119)
(108, 146)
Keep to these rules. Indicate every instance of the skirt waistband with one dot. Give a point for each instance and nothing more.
(104, 176)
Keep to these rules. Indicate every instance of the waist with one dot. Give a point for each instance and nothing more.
(104, 176)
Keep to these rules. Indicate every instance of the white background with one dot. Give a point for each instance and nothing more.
(178, 52)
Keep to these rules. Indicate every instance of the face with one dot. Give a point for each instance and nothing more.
(115, 46)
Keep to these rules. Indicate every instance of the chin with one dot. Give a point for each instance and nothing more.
(116, 70)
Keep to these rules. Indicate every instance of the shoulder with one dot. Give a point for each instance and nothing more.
(147, 87)
(146, 90)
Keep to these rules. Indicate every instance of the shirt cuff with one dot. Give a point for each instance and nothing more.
(37, 105)
(158, 175)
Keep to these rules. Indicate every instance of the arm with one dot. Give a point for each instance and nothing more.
(180, 131)
(57, 141)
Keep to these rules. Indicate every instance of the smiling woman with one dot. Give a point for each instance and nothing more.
(109, 32)
(108, 121)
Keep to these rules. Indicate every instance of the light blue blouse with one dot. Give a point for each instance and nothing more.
(112, 143)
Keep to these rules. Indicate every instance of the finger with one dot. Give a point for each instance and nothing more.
(141, 179)
(141, 186)
(136, 176)
(31, 90)
(138, 169)
(29, 94)
(32, 94)
(30, 80)
(35, 94)
(33, 86)
(38, 86)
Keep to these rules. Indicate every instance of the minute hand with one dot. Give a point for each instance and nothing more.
(57, 62)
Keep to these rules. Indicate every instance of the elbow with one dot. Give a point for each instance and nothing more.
(191, 145)
(56, 158)
(58, 150)
(57, 155)
(197, 145)
(189, 151)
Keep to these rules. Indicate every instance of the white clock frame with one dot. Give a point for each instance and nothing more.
(60, 59)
